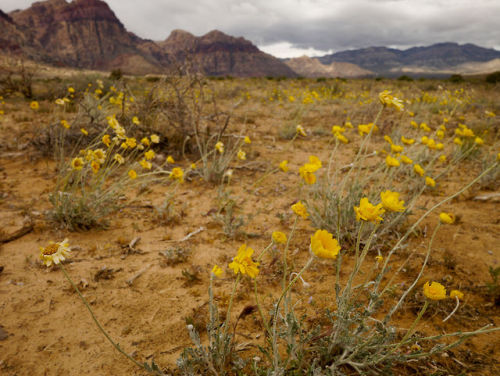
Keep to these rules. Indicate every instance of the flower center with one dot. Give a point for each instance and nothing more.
(50, 249)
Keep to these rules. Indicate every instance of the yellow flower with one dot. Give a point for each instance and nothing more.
(170, 159)
(54, 253)
(390, 201)
(300, 130)
(489, 114)
(99, 155)
(300, 210)
(145, 164)
(193, 166)
(368, 212)
(145, 141)
(71, 90)
(447, 218)
(411, 113)
(365, 128)
(425, 127)
(407, 141)
(177, 174)
(379, 258)
(243, 262)
(456, 293)
(439, 146)
(135, 120)
(132, 174)
(424, 140)
(307, 173)
(60, 102)
(315, 161)
(440, 134)
(77, 163)
(119, 158)
(336, 129)
(414, 124)
(131, 142)
(279, 237)
(406, 160)
(219, 146)
(284, 166)
(442, 158)
(84, 131)
(464, 131)
(430, 181)
(458, 141)
(388, 139)
(106, 140)
(150, 154)
(323, 245)
(434, 291)
(242, 155)
(155, 139)
(216, 271)
(479, 140)
(396, 148)
(419, 170)
(65, 124)
(341, 138)
(348, 124)
(391, 161)
(112, 122)
(124, 146)
(95, 166)
(388, 100)
(247, 140)
(34, 105)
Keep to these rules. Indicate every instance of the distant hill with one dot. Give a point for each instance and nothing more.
(87, 34)
(312, 67)
(435, 58)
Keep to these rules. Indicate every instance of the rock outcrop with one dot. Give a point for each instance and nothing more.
(219, 54)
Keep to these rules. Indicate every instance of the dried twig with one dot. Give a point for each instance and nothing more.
(131, 280)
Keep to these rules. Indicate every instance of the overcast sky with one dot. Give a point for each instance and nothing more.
(288, 28)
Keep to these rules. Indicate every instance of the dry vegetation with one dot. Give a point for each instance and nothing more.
(156, 180)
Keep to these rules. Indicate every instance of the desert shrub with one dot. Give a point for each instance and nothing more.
(404, 77)
(493, 78)
(116, 75)
(456, 78)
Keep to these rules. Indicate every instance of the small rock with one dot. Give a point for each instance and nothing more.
(3, 333)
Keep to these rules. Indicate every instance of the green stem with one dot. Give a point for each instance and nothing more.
(228, 313)
(115, 345)
(264, 322)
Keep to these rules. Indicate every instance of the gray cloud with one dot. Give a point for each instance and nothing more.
(320, 25)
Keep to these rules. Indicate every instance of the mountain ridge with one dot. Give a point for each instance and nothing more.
(88, 34)
(438, 56)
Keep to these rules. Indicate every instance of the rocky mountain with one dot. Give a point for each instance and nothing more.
(11, 39)
(81, 34)
(434, 58)
(87, 34)
(216, 54)
(311, 67)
